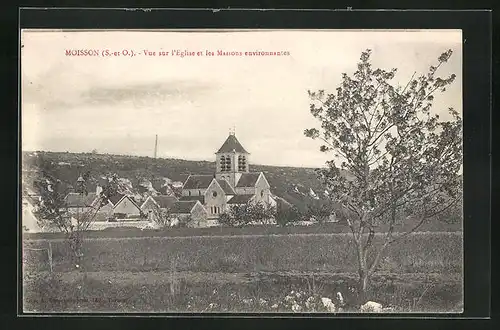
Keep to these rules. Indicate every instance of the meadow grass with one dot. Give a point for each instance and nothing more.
(420, 252)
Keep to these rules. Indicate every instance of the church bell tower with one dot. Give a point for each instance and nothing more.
(231, 160)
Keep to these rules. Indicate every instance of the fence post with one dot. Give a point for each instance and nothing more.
(49, 251)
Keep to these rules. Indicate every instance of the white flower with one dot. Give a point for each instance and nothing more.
(340, 298)
(274, 306)
(247, 301)
(289, 299)
(296, 307)
(371, 307)
(309, 302)
(298, 295)
(262, 302)
(328, 304)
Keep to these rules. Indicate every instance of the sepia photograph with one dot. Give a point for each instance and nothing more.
(241, 171)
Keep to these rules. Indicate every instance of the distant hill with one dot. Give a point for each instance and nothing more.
(298, 186)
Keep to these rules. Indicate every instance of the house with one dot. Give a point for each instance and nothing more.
(76, 202)
(161, 202)
(124, 206)
(231, 184)
(192, 213)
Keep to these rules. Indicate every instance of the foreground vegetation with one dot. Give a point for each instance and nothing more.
(260, 292)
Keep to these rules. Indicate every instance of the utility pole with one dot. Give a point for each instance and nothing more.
(156, 146)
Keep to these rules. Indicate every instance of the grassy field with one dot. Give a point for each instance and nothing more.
(422, 252)
(422, 272)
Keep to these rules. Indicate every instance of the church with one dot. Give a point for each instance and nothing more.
(231, 184)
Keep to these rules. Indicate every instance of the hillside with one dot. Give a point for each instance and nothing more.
(298, 186)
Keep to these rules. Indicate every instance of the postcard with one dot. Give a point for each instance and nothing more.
(242, 171)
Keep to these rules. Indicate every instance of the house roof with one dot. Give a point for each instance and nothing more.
(193, 198)
(228, 190)
(116, 198)
(129, 198)
(165, 201)
(198, 181)
(183, 207)
(240, 199)
(232, 144)
(79, 200)
(248, 179)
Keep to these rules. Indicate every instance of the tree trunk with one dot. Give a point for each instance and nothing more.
(362, 287)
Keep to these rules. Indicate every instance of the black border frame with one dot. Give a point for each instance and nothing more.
(477, 33)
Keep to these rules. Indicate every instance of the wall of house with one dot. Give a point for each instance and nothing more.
(262, 191)
(126, 206)
(193, 192)
(199, 216)
(149, 205)
(78, 210)
(245, 190)
(218, 201)
(105, 212)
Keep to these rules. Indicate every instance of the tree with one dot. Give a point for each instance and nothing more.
(261, 213)
(285, 215)
(53, 210)
(403, 161)
(243, 214)
(162, 217)
(320, 212)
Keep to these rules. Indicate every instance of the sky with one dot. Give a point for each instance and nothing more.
(118, 104)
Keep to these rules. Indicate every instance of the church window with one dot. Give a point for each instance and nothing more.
(242, 165)
(228, 164)
(199, 192)
(262, 193)
(214, 194)
(189, 192)
(222, 163)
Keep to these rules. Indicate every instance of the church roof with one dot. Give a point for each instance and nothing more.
(116, 198)
(240, 199)
(232, 144)
(198, 181)
(193, 198)
(248, 179)
(228, 190)
(183, 207)
(165, 201)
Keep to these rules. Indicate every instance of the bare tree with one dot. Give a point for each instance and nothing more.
(403, 161)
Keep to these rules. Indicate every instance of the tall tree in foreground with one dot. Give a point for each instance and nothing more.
(404, 161)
